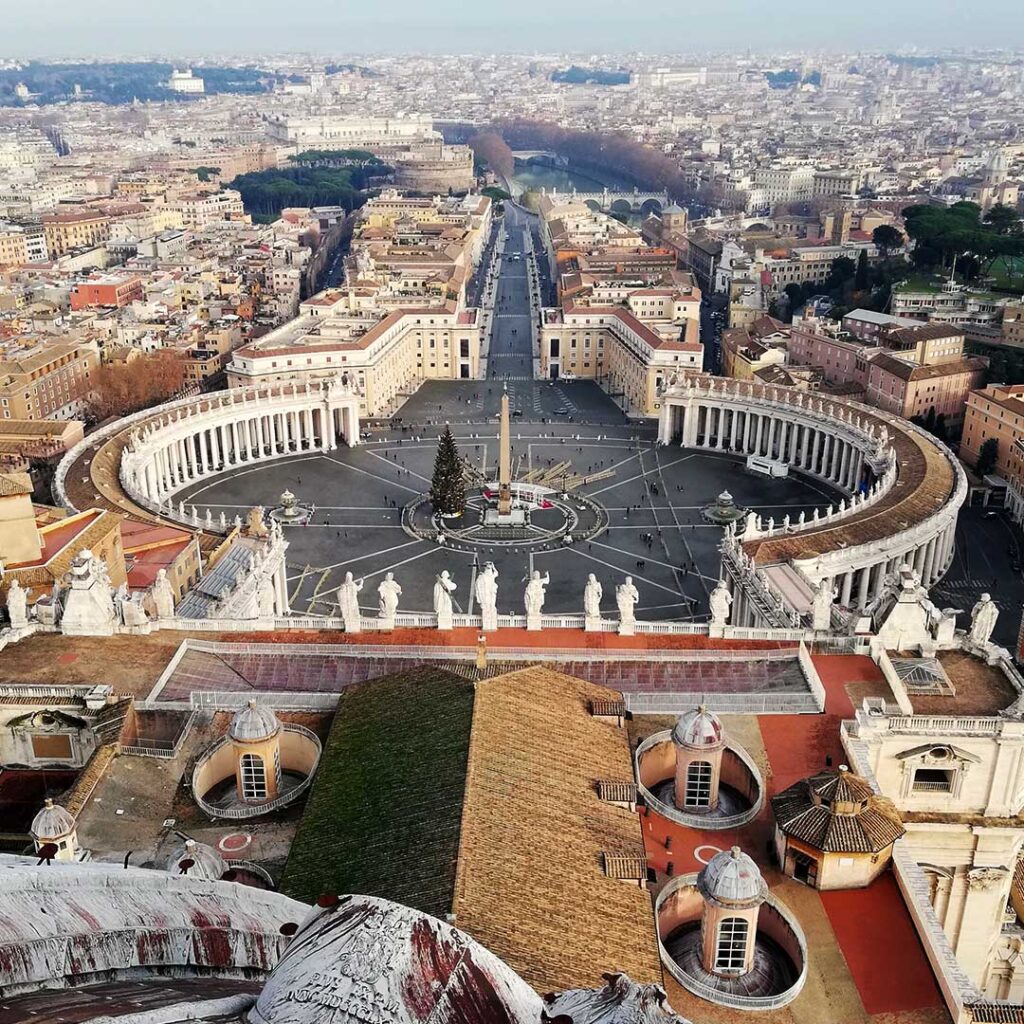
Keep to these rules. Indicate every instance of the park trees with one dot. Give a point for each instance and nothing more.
(448, 484)
(124, 387)
(943, 235)
(886, 238)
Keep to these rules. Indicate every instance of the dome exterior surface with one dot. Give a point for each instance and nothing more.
(254, 722)
(731, 878)
(206, 862)
(699, 729)
(361, 959)
(621, 1001)
(52, 822)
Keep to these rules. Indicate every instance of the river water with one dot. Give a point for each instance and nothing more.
(537, 176)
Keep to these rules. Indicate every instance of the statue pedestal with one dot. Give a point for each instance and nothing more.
(353, 624)
(592, 624)
(533, 623)
(444, 620)
(716, 631)
(385, 624)
(627, 628)
(490, 620)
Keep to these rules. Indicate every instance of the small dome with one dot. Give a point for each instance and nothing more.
(673, 208)
(197, 860)
(731, 878)
(254, 722)
(52, 822)
(842, 791)
(698, 730)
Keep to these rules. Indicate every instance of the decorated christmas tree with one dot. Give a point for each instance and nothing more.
(448, 487)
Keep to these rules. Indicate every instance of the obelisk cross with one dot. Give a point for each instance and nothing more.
(504, 460)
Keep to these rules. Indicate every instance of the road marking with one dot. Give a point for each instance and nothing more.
(373, 554)
(601, 561)
(373, 476)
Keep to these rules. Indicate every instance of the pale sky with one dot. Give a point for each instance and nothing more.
(195, 27)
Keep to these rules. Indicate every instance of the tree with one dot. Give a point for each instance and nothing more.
(987, 455)
(448, 486)
(1004, 220)
(862, 278)
(887, 238)
(125, 387)
(795, 294)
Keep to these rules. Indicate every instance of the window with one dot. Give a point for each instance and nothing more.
(254, 778)
(933, 780)
(731, 947)
(698, 784)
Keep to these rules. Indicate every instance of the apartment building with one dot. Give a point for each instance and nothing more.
(67, 231)
(996, 411)
(627, 356)
(745, 350)
(106, 290)
(13, 246)
(911, 390)
(49, 381)
(201, 209)
(385, 357)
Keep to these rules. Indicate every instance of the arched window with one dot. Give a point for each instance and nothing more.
(698, 784)
(254, 777)
(731, 947)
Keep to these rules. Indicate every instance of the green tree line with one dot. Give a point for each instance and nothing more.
(267, 193)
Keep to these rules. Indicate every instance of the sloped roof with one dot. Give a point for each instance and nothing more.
(530, 884)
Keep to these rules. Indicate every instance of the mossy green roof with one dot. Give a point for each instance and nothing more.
(385, 810)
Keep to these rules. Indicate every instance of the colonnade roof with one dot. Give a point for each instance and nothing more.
(925, 481)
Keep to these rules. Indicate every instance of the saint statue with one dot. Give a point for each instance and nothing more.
(721, 602)
(388, 592)
(533, 598)
(592, 594)
(17, 605)
(163, 595)
(626, 597)
(487, 589)
(983, 619)
(348, 601)
(444, 585)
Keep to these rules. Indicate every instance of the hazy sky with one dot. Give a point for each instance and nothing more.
(189, 27)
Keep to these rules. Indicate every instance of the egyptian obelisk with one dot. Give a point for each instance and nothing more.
(504, 461)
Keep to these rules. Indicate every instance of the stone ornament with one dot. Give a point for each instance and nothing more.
(533, 598)
(592, 594)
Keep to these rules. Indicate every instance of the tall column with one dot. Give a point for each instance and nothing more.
(720, 429)
(203, 460)
(310, 434)
(847, 590)
(862, 588)
(817, 450)
(734, 437)
(760, 434)
(150, 488)
(215, 453)
(236, 442)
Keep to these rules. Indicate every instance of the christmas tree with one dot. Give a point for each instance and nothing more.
(448, 487)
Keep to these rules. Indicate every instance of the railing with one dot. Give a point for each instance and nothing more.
(723, 703)
(227, 700)
(717, 996)
(936, 726)
(709, 822)
(164, 749)
(258, 810)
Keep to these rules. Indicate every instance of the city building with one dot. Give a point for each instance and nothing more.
(48, 381)
(186, 82)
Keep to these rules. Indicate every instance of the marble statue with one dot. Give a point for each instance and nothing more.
(121, 596)
(821, 606)
(750, 524)
(983, 619)
(487, 595)
(388, 593)
(163, 595)
(266, 598)
(132, 612)
(348, 603)
(626, 597)
(533, 597)
(17, 605)
(592, 594)
(444, 586)
(256, 526)
(721, 603)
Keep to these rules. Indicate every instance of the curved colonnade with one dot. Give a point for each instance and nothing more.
(901, 491)
(152, 455)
